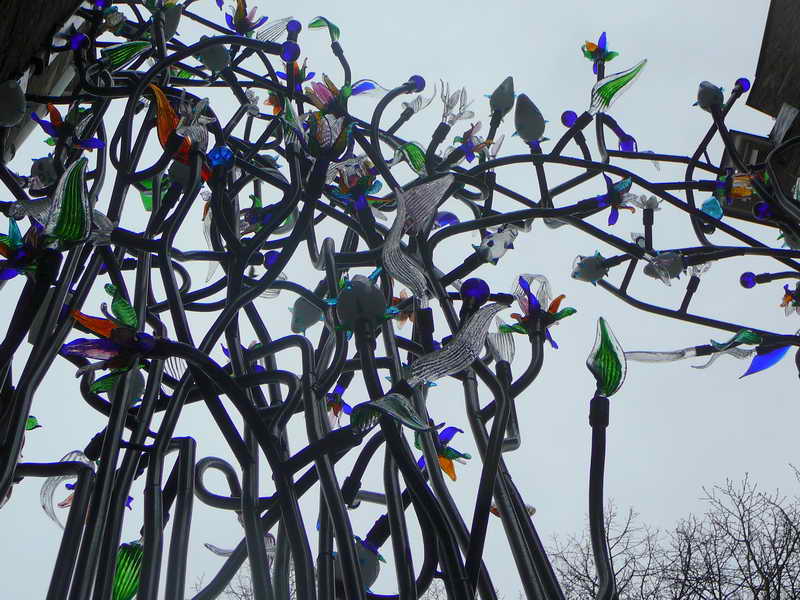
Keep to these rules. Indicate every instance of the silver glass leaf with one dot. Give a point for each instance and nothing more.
(462, 350)
(51, 484)
(501, 344)
(397, 263)
(420, 102)
(274, 30)
(367, 414)
(421, 203)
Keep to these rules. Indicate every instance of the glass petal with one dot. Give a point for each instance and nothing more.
(764, 359)
(121, 308)
(98, 349)
(448, 433)
(501, 344)
(273, 31)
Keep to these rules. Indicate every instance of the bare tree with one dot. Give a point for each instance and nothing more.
(746, 546)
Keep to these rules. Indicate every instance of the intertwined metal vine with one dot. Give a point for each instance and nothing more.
(292, 134)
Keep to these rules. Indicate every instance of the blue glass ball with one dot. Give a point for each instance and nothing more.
(748, 280)
(744, 83)
(294, 26)
(475, 290)
(568, 118)
(289, 51)
(78, 41)
(762, 210)
(270, 258)
(220, 156)
(418, 81)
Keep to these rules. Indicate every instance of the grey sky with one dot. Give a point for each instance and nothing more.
(673, 429)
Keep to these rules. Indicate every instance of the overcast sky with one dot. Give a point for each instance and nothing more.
(673, 429)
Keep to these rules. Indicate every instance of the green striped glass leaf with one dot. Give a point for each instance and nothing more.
(121, 55)
(70, 215)
(129, 567)
(121, 308)
(608, 89)
(607, 361)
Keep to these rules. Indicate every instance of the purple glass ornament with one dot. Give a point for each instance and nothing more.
(744, 83)
(444, 218)
(762, 211)
(475, 290)
(418, 81)
(289, 51)
(568, 118)
(78, 41)
(271, 257)
(220, 156)
(748, 280)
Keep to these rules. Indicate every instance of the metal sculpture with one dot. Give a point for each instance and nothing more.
(334, 169)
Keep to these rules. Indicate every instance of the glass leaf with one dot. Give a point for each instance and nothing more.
(421, 203)
(608, 89)
(321, 22)
(606, 361)
(273, 31)
(122, 309)
(365, 416)
(129, 567)
(460, 352)
(501, 343)
(69, 218)
(51, 484)
(120, 55)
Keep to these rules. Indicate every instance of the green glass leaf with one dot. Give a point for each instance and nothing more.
(321, 22)
(32, 423)
(69, 217)
(608, 89)
(121, 308)
(607, 360)
(129, 567)
(610, 56)
(147, 193)
(415, 156)
(366, 415)
(106, 383)
(121, 55)
(744, 336)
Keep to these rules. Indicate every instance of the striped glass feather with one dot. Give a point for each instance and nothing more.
(608, 89)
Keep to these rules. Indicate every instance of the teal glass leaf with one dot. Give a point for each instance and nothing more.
(129, 567)
(607, 361)
(121, 308)
(121, 55)
(766, 358)
(321, 22)
(70, 216)
(744, 336)
(608, 89)
(366, 415)
(147, 192)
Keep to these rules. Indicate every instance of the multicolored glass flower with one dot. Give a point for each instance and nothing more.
(120, 344)
(617, 197)
(240, 20)
(447, 454)
(336, 404)
(19, 254)
(301, 75)
(598, 52)
(471, 143)
(67, 129)
(532, 303)
(791, 299)
(327, 97)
